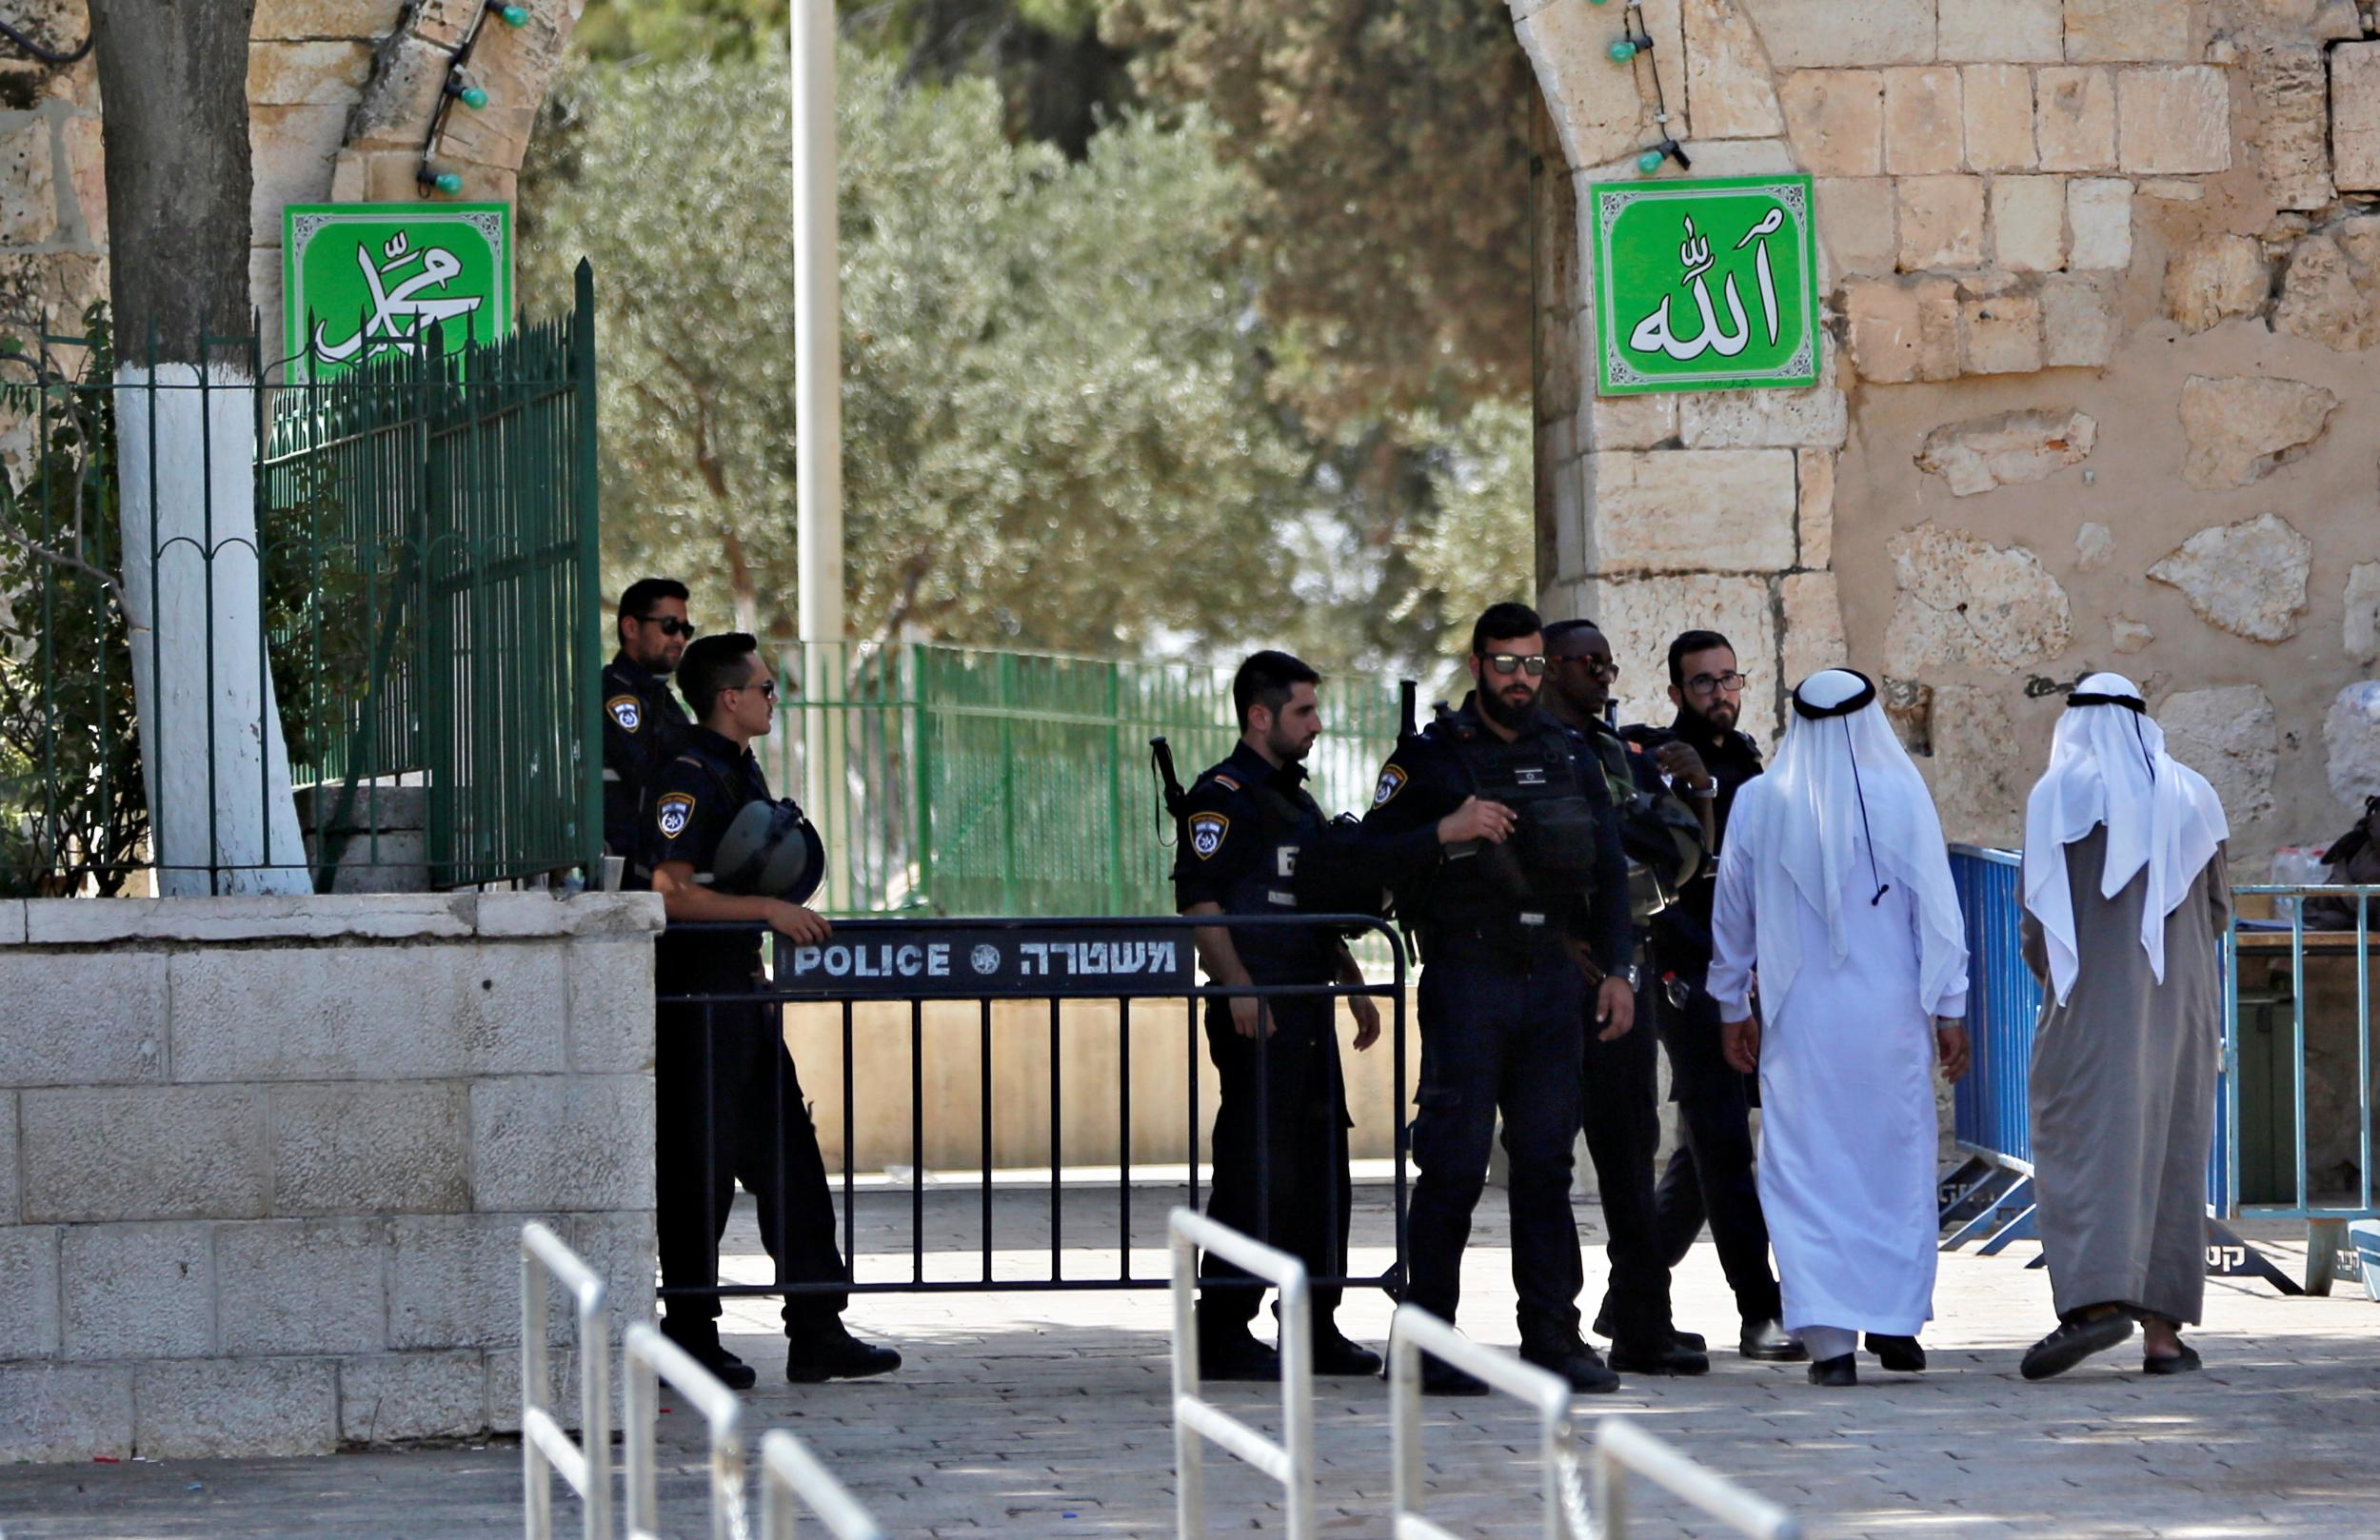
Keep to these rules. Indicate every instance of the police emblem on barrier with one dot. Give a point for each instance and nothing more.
(627, 710)
(984, 960)
(674, 811)
(1206, 833)
(1391, 781)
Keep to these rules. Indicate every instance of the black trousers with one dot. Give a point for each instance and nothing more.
(1279, 1153)
(728, 1108)
(1709, 1174)
(1497, 1034)
(1619, 1104)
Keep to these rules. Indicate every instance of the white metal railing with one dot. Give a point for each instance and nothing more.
(1290, 1461)
(792, 1479)
(647, 1358)
(1622, 1446)
(1413, 1332)
(545, 1447)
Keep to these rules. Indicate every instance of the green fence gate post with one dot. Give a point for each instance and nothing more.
(589, 469)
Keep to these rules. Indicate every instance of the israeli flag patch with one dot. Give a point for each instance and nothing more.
(673, 812)
(1206, 833)
(627, 711)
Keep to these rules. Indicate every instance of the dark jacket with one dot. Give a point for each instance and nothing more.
(645, 728)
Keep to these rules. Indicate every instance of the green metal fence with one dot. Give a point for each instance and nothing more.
(973, 781)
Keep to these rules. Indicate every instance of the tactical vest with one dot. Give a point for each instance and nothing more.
(1517, 893)
(1286, 836)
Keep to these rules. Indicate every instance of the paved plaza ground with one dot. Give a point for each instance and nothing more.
(1045, 1415)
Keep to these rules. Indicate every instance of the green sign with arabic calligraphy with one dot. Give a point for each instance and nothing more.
(1705, 285)
(365, 280)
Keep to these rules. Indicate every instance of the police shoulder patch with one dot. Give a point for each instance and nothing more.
(1391, 781)
(673, 812)
(627, 711)
(1206, 833)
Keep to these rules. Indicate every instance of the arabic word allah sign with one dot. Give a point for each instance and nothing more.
(1709, 285)
(364, 281)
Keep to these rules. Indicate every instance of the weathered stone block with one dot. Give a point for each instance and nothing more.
(2350, 733)
(2325, 297)
(454, 1281)
(2074, 119)
(11, 1166)
(1999, 331)
(1941, 223)
(1964, 601)
(1812, 417)
(2094, 544)
(2099, 210)
(392, 1397)
(1814, 626)
(563, 1388)
(1641, 616)
(556, 1142)
(66, 1412)
(1803, 34)
(324, 18)
(2007, 449)
(1977, 777)
(1997, 101)
(29, 1293)
(253, 1407)
(2019, 31)
(410, 916)
(1813, 511)
(302, 1286)
(2029, 222)
(138, 1291)
(82, 1018)
(1632, 421)
(1594, 105)
(2247, 579)
(2232, 736)
(371, 1149)
(1836, 120)
(28, 199)
(2173, 121)
(623, 1250)
(2112, 30)
(2290, 86)
(1650, 510)
(2239, 427)
(2362, 630)
(2215, 279)
(2355, 116)
(1903, 330)
(1727, 74)
(1858, 225)
(2128, 636)
(84, 221)
(611, 1005)
(280, 1014)
(291, 148)
(319, 71)
(1924, 122)
(144, 1153)
(2077, 323)
(513, 916)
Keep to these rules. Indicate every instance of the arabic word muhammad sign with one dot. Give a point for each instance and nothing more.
(937, 959)
(366, 280)
(1709, 285)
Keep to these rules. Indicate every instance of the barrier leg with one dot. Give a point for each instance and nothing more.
(2020, 1226)
(2014, 1196)
(2324, 1241)
(2227, 1257)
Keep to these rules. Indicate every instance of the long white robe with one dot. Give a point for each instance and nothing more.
(1848, 1138)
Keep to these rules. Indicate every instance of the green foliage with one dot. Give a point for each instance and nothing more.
(1054, 435)
(672, 29)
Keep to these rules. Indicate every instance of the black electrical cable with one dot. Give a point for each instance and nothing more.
(43, 52)
(1638, 33)
(427, 179)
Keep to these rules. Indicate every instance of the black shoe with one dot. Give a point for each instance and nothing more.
(1765, 1342)
(1835, 1374)
(1671, 1358)
(1232, 1352)
(2186, 1363)
(1693, 1340)
(2073, 1342)
(1438, 1377)
(1902, 1355)
(833, 1352)
(1336, 1358)
(702, 1344)
(1567, 1354)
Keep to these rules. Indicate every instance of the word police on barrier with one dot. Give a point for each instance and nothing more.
(923, 960)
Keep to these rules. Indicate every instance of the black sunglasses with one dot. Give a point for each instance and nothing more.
(670, 626)
(1509, 664)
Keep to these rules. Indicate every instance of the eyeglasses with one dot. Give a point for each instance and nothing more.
(1509, 664)
(669, 625)
(1731, 681)
(767, 686)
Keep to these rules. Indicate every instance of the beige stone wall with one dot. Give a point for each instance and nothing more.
(2100, 277)
(339, 97)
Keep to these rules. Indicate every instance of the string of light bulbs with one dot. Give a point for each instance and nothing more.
(429, 180)
(1635, 41)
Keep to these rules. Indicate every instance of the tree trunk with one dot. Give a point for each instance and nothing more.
(174, 76)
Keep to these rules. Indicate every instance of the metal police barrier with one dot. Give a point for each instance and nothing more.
(546, 1448)
(1413, 1332)
(1121, 960)
(1290, 1461)
(791, 1479)
(647, 1359)
(1620, 1447)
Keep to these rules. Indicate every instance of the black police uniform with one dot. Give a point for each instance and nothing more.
(1280, 1116)
(1499, 1001)
(1711, 1172)
(728, 1104)
(645, 728)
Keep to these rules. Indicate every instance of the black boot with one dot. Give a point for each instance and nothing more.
(1228, 1350)
(1765, 1342)
(700, 1341)
(1835, 1374)
(1693, 1341)
(1336, 1357)
(830, 1351)
(1902, 1355)
(1671, 1356)
(1566, 1354)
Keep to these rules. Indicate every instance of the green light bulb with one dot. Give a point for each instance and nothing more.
(1622, 52)
(1650, 162)
(448, 183)
(514, 15)
(473, 97)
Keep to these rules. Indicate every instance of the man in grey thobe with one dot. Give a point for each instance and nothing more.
(2126, 897)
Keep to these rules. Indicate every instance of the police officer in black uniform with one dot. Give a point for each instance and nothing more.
(728, 1104)
(1503, 813)
(1711, 1172)
(1280, 1125)
(1619, 1088)
(643, 726)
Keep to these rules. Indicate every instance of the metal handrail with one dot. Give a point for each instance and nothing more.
(1290, 1461)
(649, 1358)
(792, 1479)
(1622, 1446)
(1413, 1332)
(545, 1447)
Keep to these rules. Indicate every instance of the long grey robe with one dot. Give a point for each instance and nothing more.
(2123, 1095)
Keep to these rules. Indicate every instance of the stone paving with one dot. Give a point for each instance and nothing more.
(1045, 1415)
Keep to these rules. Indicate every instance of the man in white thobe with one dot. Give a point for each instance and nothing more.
(1835, 891)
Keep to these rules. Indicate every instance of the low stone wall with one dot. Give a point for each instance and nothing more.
(264, 1162)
